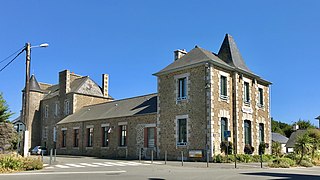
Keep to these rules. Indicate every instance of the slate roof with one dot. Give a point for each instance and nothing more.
(294, 136)
(120, 108)
(229, 57)
(276, 137)
(34, 85)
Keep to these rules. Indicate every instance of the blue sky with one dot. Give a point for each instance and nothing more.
(131, 40)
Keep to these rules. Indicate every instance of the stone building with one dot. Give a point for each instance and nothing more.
(49, 103)
(203, 97)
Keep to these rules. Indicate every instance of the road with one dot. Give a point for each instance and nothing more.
(84, 168)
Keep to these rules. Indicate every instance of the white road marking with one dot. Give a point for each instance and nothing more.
(102, 164)
(130, 163)
(114, 164)
(74, 165)
(90, 165)
(56, 173)
(61, 166)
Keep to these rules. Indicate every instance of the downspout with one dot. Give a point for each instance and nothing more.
(234, 112)
(209, 142)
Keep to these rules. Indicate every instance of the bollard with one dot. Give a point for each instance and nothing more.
(261, 159)
(139, 154)
(235, 160)
(55, 155)
(152, 157)
(207, 158)
(182, 158)
(126, 153)
(165, 157)
(50, 162)
(42, 156)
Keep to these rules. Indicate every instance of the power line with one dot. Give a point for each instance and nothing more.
(11, 60)
(11, 55)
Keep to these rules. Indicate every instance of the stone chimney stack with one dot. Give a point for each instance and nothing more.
(105, 85)
(179, 53)
(64, 82)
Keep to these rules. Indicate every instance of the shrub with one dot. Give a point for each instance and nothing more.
(32, 164)
(306, 163)
(218, 159)
(262, 148)
(248, 149)
(224, 145)
(10, 163)
(246, 158)
(282, 163)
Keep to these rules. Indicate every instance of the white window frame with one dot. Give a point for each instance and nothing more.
(260, 105)
(177, 130)
(179, 89)
(66, 107)
(46, 111)
(246, 93)
(56, 108)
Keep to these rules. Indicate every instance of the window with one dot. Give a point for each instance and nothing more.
(224, 127)
(182, 88)
(105, 136)
(223, 87)
(149, 137)
(182, 132)
(246, 92)
(260, 97)
(247, 132)
(76, 138)
(89, 137)
(66, 107)
(123, 135)
(64, 138)
(46, 111)
(56, 109)
(261, 132)
(45, 132)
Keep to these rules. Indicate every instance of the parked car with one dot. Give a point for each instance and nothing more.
(38, 150)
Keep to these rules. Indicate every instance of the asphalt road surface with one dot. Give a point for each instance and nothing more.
(84, 168)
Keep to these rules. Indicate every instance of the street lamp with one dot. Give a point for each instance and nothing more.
(27, 48)
(318, 118)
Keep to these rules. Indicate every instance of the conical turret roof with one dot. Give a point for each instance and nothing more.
(34, 85)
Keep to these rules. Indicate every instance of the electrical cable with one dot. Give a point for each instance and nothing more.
(11, 55)
(11, 60)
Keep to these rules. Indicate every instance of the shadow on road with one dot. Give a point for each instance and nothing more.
(284, 175)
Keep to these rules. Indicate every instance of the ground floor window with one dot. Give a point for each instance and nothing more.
(224, 127)
(89, 137)
(76, 138)
(247, 132)
(123, 135)
(182, 132)
(150, 137)
(105, 136)
(261, 132)
(64, 138)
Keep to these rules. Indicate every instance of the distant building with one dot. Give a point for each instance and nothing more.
(276, 137)
(201, 95)
(293, 138)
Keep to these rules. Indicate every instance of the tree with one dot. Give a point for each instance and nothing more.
(303, 145)
(281, 128)
(314, 134)
(305, 124)
(276, 148)
(4, 110)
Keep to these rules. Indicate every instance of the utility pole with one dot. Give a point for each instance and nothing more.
(27, 100)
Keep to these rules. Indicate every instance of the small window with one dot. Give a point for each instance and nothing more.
(182, 132)
(149, 137)
(64, 138)
(123, 135)
(224, 127)
(56, 109)
(105, 136)
(76, 138)
(246, 93)
(182, 88)
(261, 97)
(261, 132)
(45, 132)
(66, 107)
(46, 111)
(223, 87)
(89, 137)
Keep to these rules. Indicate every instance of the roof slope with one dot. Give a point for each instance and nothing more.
(230, 53)
(34, 85)
(195, 56)
(276, 137)
(294, 136)
(120, 108)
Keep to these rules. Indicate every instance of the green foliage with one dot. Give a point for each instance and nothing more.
(262, 148)
(305, 163)
(314, 134)
(281, 128)
(276, 148)
(303, 145)
(245, 158)
(282, 163)
(305, 124)
(4, 110)
(223, 147)
(17, 163)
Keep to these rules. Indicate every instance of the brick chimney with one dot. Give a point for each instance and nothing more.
(64, 82)
(105, 85)
(179, 53)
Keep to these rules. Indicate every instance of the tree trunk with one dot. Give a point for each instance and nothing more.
(302, 154)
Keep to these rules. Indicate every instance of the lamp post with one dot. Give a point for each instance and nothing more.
(318, 118)
(27, 48)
